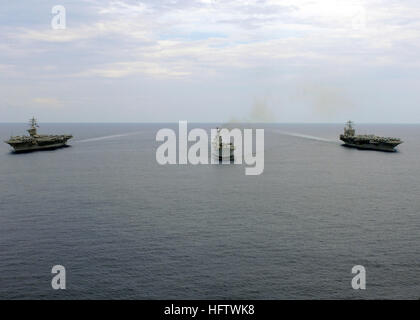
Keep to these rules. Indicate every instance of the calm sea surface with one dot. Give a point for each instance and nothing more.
(127, 228)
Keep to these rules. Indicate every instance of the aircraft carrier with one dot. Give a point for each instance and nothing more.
(37, 141)
(370, 142)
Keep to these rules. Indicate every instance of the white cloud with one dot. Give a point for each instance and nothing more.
(47, 102)
(123, 69)
(6, 67)
(205, 40)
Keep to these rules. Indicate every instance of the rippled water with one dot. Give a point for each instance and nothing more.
(126, 227)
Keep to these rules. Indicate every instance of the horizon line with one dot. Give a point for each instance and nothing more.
(205, 122)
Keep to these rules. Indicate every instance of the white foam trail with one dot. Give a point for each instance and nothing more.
(305, 136)
(109, 137)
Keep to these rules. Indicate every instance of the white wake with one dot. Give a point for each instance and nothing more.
(304, 136)
(109, 137)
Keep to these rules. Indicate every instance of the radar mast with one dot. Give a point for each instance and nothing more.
(349, 129)
(34, 124)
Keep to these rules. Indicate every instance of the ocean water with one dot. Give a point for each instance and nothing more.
(125, 227)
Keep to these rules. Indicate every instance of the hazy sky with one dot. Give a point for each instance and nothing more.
(211, 61)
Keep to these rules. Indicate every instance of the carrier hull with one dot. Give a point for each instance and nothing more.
(21, 148)
(223, 154)
(371, 147)
(375, 143)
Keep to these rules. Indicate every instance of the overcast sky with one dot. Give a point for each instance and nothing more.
(211, 61)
